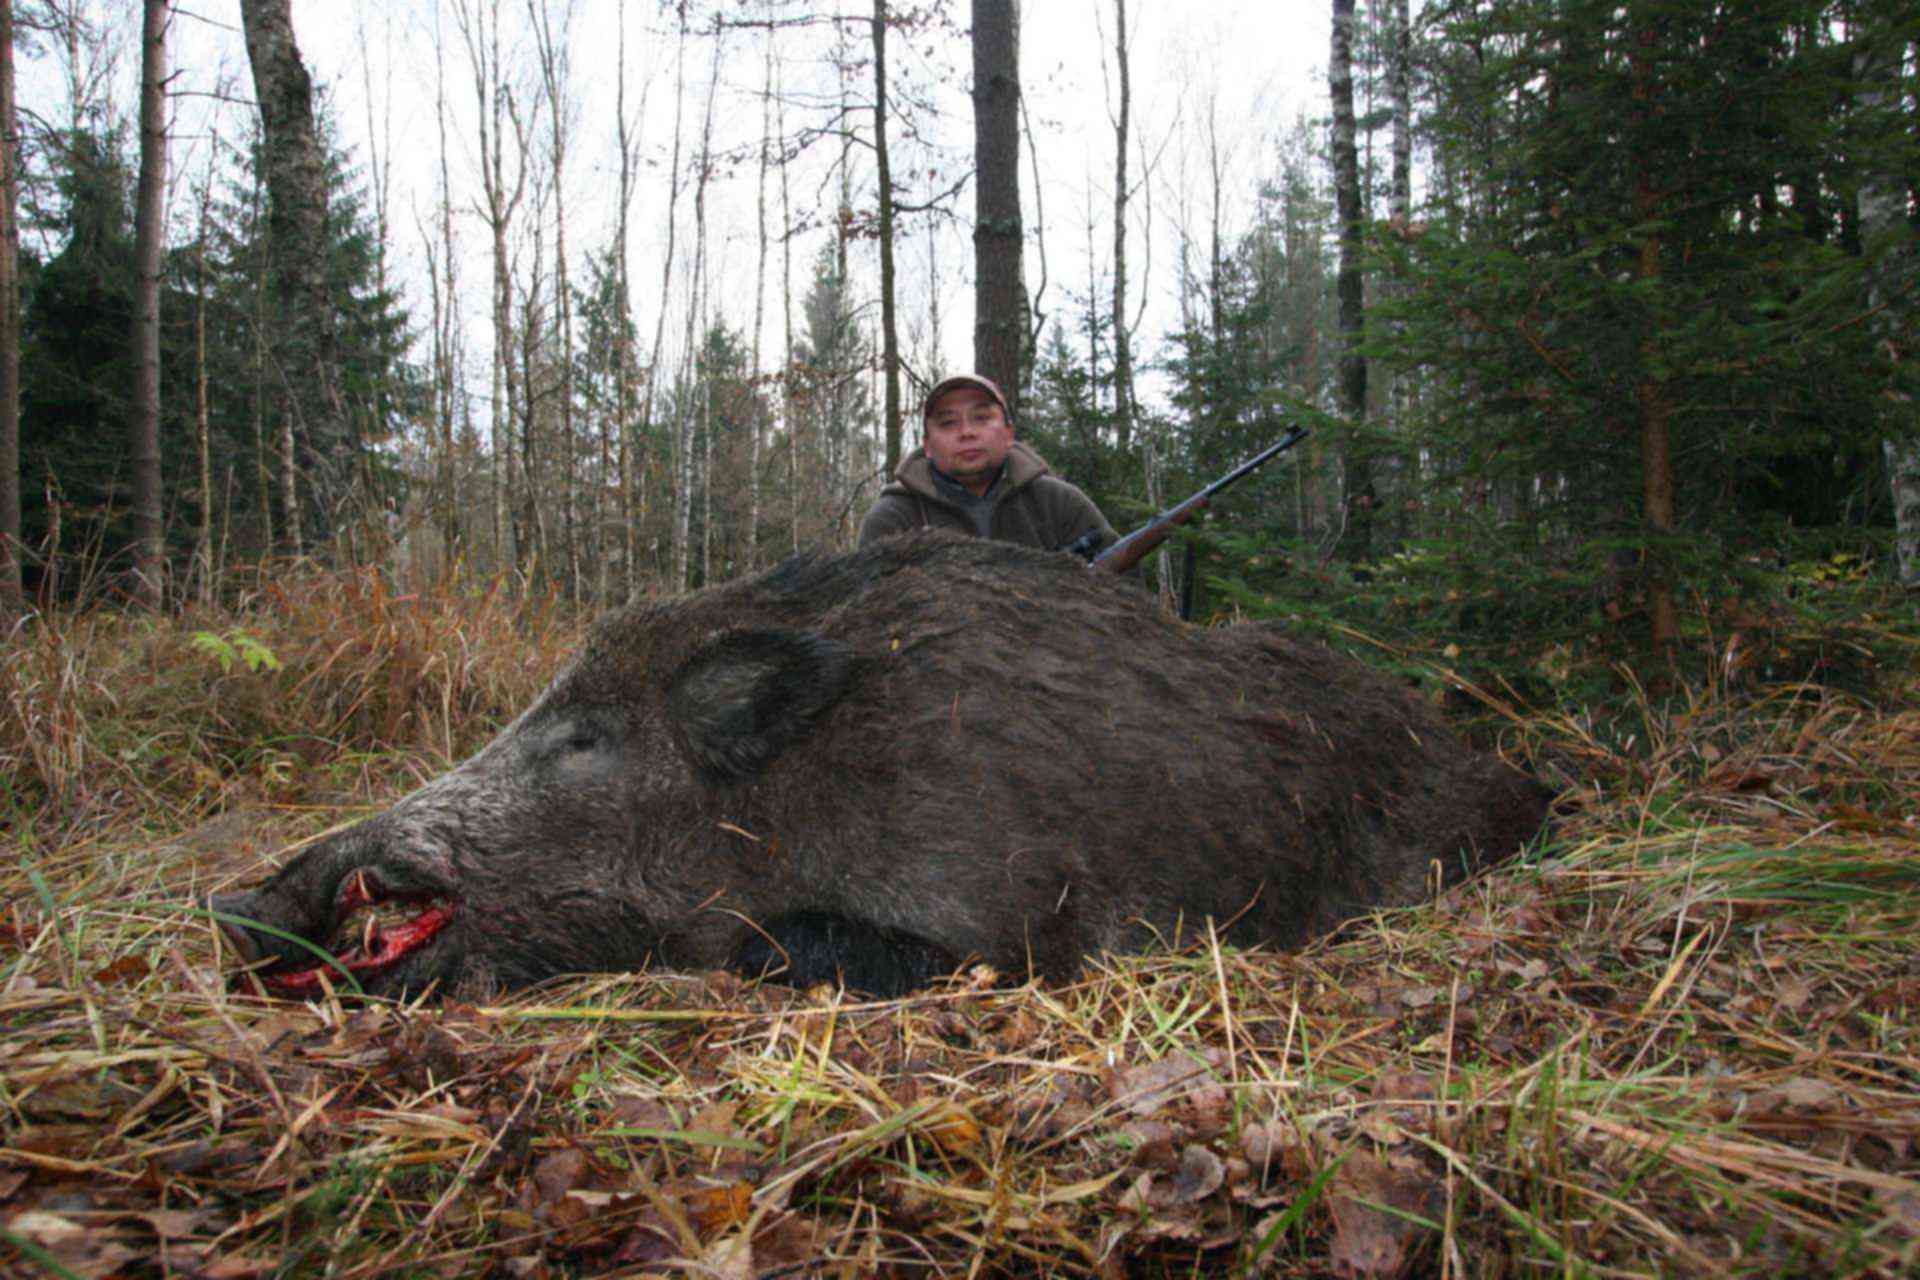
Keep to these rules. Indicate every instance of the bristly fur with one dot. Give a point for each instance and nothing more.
(876, 765)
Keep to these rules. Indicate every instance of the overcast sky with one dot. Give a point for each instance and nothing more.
(1250, 67)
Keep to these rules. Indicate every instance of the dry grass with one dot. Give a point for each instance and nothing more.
(1684, 1043)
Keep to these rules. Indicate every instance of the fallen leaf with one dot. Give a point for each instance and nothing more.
(952, 1128)
(238, 1266)
(1529, 973)
(631, 1111)
(85, 1251)
(1150, 1143)
(1792, 995)
(711, 1209)
(123, 972)
(728, 1258)
(1374, 1202)
(559, 1173)
(1146, 1089)
(1200, 1174)
(1797, 1096)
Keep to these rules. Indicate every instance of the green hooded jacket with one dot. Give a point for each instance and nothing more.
(1028, 504)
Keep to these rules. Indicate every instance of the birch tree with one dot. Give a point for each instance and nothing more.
(889, 326)
(1123, 406)
(554, 75)
(1888, 243)
(479, 23)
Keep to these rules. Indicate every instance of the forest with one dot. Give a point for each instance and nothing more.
(355, 355)
(1623, 335)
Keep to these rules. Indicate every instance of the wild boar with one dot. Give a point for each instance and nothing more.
(875, 767)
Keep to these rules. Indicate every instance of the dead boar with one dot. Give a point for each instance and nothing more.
(877, 766)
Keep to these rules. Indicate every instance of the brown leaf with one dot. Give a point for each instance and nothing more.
(952, 1128)
(728, 1258)
(1018, 1030)
(1737, 777)
(1145, 1089)
(1151, 1143)
(1421, 997)
(178, 1224)
(710, 1209)
(631, 1111)
(560, 1173)
(1369, 1238)
(1528, 974)
(84, 1250)
(1801, 1095)
(716, 1119)
(1200, 1174)
(1394, 1085)
(238, 1266)
(787, 1241)
(11, 1180)
(1792, 995)
(1272, 1146)
(123, 972)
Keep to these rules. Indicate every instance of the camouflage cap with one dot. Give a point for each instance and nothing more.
(959, 380)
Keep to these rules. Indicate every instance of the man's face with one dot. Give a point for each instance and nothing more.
(968, 437)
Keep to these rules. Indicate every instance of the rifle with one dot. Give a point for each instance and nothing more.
(1141, 543)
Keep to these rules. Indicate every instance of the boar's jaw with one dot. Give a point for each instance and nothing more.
(361, 942)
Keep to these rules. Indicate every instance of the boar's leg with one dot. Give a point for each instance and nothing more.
(808, 947)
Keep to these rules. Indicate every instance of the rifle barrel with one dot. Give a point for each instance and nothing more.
(1136, 546)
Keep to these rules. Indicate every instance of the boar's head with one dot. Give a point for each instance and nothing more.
(552, 850)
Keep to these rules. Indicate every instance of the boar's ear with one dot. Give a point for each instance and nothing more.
(748, 696)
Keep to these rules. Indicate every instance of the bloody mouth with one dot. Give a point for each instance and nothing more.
(368, 941)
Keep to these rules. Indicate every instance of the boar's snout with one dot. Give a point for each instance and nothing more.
(235, 914)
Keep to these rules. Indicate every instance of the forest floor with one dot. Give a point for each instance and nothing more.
(1682, 1037)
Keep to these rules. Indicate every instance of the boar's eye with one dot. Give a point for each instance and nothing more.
(570, 736)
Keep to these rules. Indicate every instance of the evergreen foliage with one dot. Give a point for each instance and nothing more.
(77, 375)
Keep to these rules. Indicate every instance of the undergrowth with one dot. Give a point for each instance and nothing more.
(290, 694)
(1678, 1039)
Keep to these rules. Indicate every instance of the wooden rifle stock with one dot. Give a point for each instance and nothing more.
(1142, 542)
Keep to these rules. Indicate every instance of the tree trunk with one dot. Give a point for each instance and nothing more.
(889, 329)
(1397, 395)
(623, 344)
(202, 426)
(446, 293)
(1651, 393)
(1122, 348)
(1883, 201)
(500, 204)
(683, 414)
(788, 418)
(666, 289)
(10, 580)
(149, 556)
(297, 231)
(999, 282)
(751, 558)
(553, 75)
(1357, 539)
